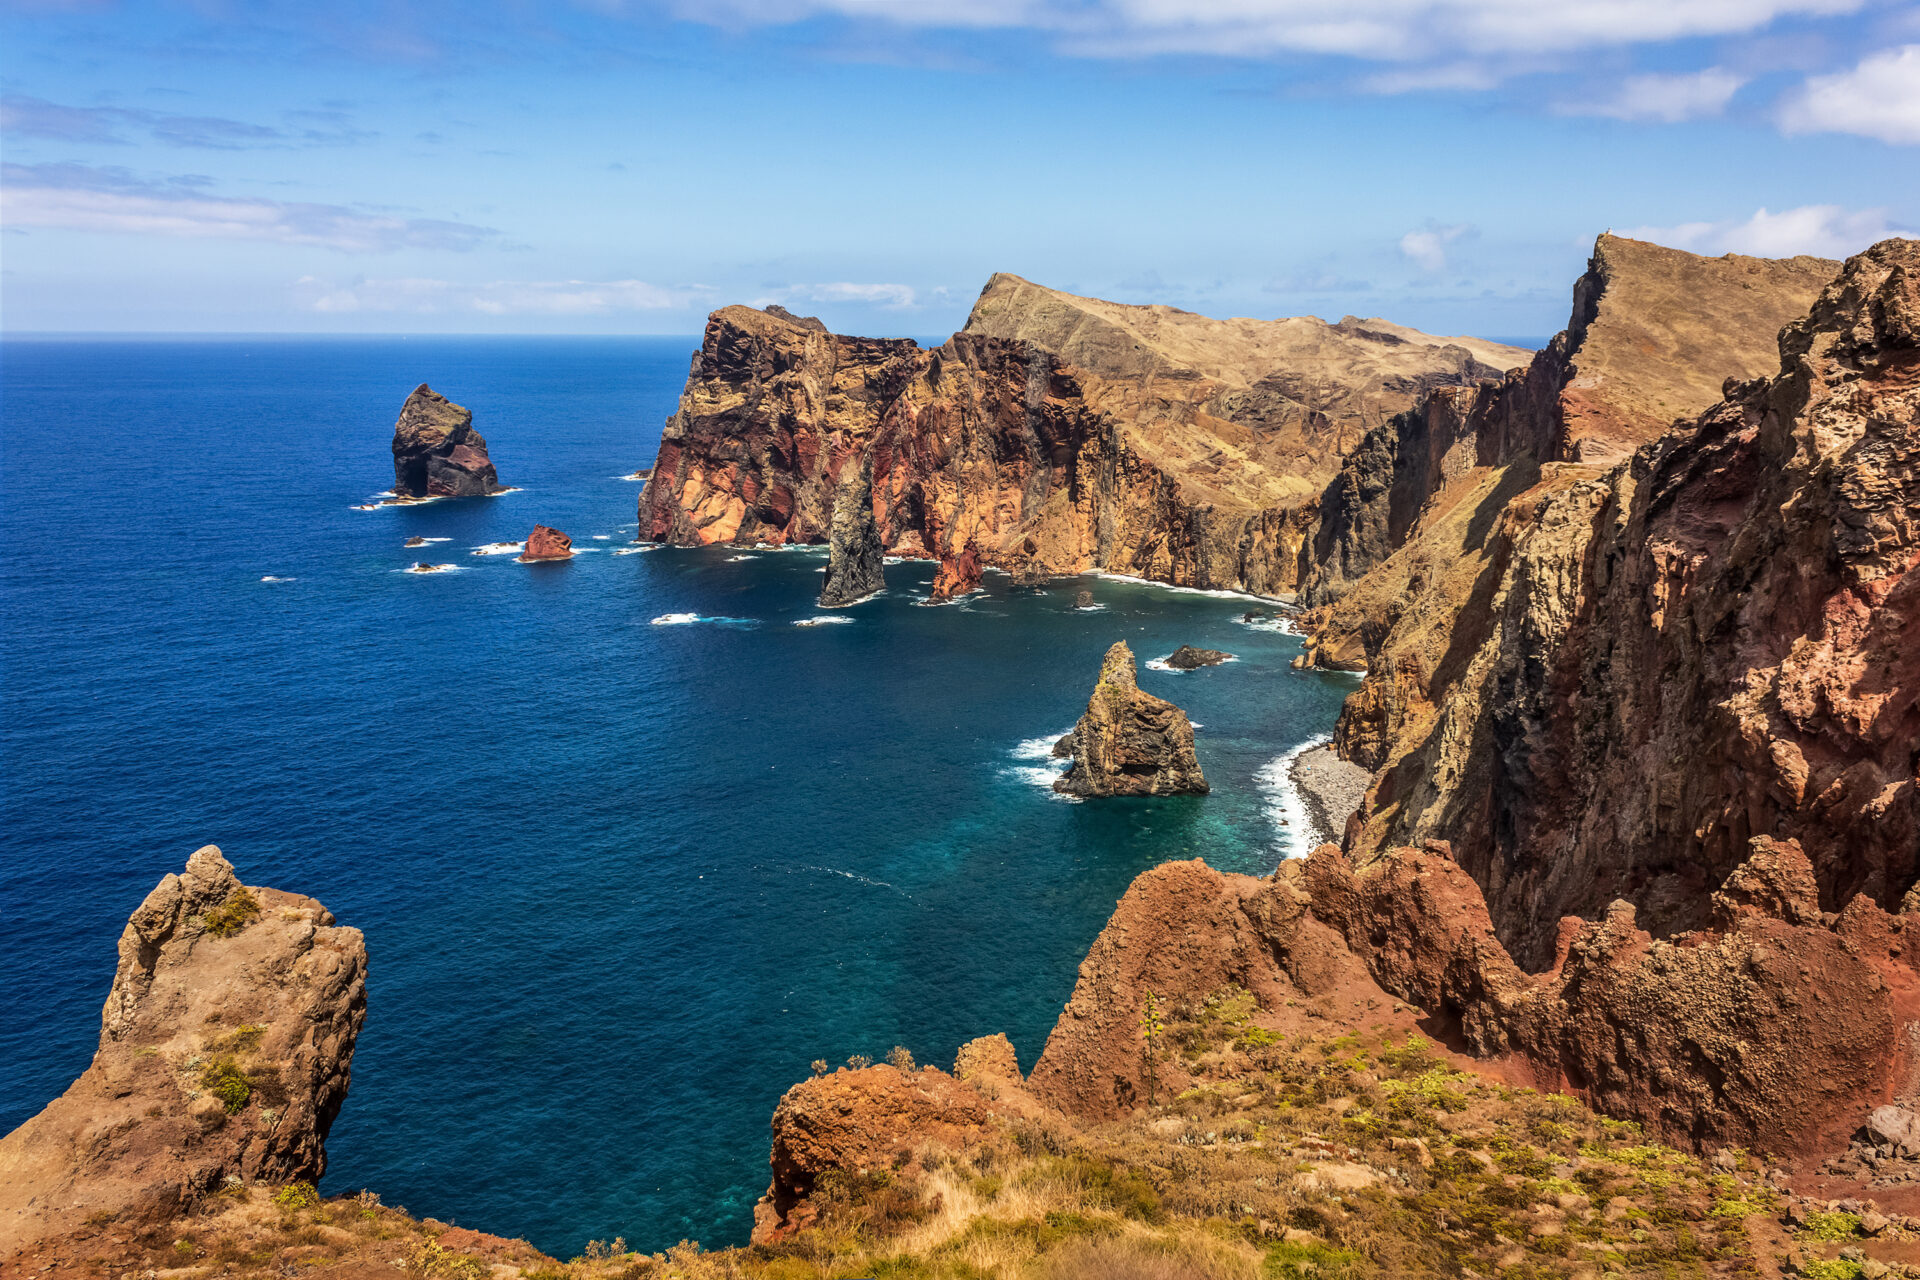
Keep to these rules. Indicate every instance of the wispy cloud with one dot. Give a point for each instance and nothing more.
(1823, 230)
(71, 197)
(1879, 98)
(892, 297)
(1428, 247)
(1374, 30)
(22, 116)
(1669, 99)
(421, 296)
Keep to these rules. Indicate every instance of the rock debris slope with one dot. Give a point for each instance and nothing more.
(225, 1048)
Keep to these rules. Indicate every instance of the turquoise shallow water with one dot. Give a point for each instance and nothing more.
(621, 882)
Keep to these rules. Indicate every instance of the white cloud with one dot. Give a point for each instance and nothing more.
(1374, 30)
(1823, 230)
(69, 197)
(1666, 98)
(423, 296)
(1880, 98)
(1428, 248)
(893, 297)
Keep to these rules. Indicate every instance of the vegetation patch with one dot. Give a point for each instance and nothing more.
(239, 910)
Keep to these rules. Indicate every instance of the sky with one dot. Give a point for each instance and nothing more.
(627, 166)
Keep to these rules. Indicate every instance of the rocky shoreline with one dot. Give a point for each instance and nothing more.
(1331, 789)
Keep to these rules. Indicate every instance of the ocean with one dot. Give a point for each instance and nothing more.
(622, 879)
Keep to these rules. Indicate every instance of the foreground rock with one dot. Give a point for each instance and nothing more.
(546, 544)
(856, 562)
(1167, 446)
(224, 1055)
(1187, 658)
(1130, 743)
(436, 451)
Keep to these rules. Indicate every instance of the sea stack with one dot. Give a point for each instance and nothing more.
(855, 557)
(224, 1054)
(546, 544)
(1130, 743)
(436, 451)
(958, 575)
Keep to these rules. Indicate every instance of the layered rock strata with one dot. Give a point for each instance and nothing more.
(1640, 669)
(856, 562)
(224, 1055)
(1130, 743)
(436, 451)
(1189, 468)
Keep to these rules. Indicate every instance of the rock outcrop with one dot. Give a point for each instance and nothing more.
(546, 544)
(1177, 465)
(1130, 743)
(1770, 1034)
(958, 575)
(1188, 658)
(1642, 668)
(225, 1048)
(856, 562)
(436, 451)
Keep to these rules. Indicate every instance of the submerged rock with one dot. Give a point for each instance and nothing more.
(1186, 658)
(855, 558)
(224, 1053)
(436, 451)
(547, 544)
(415, 541)
(1130, 743)
(959, 574)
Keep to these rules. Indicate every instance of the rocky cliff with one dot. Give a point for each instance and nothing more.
(1183, 449)
(436, 451)
(1632, 672)
(225, 1048)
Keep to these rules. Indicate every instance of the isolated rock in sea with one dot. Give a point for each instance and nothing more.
(1083, 599)
(415, 541)
(856, 562)
(1130, 743)
(1167, 446)
(547, 544)
(436, 451)
(224, 1052)
(958, 575)
(1186, 658)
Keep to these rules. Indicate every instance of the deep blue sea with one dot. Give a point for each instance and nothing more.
(621, 881)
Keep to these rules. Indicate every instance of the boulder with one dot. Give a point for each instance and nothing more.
(855, 558)
(546, 544)
(1130, 743)
(224, 1055)
(1186, 658)
(1895, 1128)
(436, 451)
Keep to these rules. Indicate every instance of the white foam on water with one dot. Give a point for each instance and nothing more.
(602, 537)
(500, 549)
(635, 476)
(436, 539)
(424, 567)
(855, 876)
(1215, 592)
(498, 493)
(1040, 775)
(1040, 748)
(1279, 626)
(745, 555)
(634, 551)
(1095, 607)
(822, 621)
(1160, 664)
(271, 578)
(687, 619)
(1293, 834)
(364, 506)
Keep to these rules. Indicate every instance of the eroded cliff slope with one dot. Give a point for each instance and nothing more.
(1183, 449)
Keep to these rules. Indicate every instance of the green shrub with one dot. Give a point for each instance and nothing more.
(297, 1195)
(1835, 1225)
(1311, 1260)
(1256, 1038)
(1831, 1269)
(239, 910)
(224, 1079)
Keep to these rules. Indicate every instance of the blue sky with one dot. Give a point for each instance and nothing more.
(610, 167)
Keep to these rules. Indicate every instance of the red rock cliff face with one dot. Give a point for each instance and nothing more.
(1046, 467)
(1650, 665)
